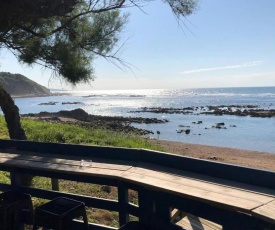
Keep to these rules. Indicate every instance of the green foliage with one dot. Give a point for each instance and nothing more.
(67, 35)
(72, 134)
(5, 177)
(67, 42)
(4, 134)
(182, 7)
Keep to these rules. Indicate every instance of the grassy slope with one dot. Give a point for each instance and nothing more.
(64, 133)
(73, 134)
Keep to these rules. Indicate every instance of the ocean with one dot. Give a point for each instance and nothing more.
(242, 132)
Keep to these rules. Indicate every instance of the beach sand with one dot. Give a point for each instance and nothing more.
(247, 158)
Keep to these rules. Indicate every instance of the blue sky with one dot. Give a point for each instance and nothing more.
(225, 43)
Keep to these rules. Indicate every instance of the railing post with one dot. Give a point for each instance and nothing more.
(162, 211)
(242, 221)
(15, 177)
(123, 203)
(55, 184)
(146, 206)
(154, 209)
(16, 183)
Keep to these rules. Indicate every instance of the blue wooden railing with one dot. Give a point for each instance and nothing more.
(152, 204)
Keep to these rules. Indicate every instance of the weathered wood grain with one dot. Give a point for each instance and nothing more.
(266, 211)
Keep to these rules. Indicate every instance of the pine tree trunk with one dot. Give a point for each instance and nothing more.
(12, 117)
(11, 113)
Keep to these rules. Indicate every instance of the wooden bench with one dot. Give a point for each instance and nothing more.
(230, 194)
(238, 197)
(221, 194)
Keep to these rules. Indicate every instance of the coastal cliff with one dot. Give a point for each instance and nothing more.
(18, 85)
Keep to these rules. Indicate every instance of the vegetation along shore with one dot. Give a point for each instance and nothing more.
(123, 126)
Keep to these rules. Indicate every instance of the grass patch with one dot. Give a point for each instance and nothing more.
(4, 134)
(43, 131)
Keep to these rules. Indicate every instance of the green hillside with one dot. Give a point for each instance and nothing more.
(19, 85)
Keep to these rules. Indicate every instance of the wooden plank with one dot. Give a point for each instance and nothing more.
(177, 215)
(203, 222)
(178, 182)
(146, 206)
(257, 177)
(110, 164)
(199, 188)
(123, 204)
(203, 185)
(55, 184)
(209, 179)
(185, 190)
(74, 150)
(242, 174)
(266, 212)
(72, 169)
(185, 224)
(191, 222)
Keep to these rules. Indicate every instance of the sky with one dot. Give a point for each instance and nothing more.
(225, 43)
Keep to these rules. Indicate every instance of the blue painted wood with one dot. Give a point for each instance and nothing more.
(123, 204)
(5, 187)
(146, 206)
(94, 202)
(229, 219)
(242, 174)
(55, 184)
(79, 226)
(151, 203)
(133, 210)
(15, 177)
(7, 143)
(162, 211)
(65, 176)
(226, 171)
(74, 150)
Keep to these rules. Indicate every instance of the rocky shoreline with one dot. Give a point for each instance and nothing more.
(236, 110)
(123, 124)
(82, 118)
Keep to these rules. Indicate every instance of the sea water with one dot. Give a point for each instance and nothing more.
(250, 133)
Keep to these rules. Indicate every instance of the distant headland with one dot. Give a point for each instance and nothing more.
(18, 85)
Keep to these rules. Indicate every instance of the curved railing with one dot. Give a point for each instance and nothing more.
(153, 204)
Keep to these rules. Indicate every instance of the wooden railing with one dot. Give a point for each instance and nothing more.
(153, 204)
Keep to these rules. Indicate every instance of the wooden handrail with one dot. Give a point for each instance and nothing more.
(153, 203)
(236, 173)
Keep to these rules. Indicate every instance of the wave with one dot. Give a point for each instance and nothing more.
(235, 94)
(114, 95)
